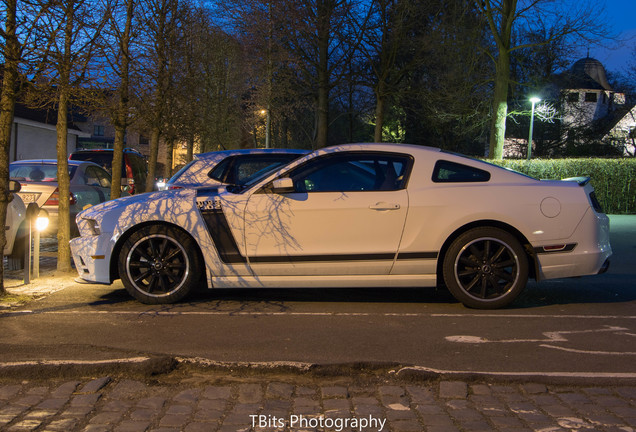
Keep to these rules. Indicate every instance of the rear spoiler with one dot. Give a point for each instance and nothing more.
(582, 181)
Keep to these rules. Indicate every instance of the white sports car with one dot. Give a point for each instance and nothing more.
(356, 215)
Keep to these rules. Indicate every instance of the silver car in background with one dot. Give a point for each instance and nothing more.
(90, 185)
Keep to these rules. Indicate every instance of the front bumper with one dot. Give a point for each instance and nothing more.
(589, 257)
(92, 255)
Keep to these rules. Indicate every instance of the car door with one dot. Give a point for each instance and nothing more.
(344, 216)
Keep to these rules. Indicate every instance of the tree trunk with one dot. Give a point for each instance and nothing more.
(167, 171)
(500, 106)
(63, 179)
(379, 112)
(118, 161)
(7, 107)
(190, 148)
(63, 184)
(155, 134)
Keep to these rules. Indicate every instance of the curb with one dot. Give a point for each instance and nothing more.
(155, 366)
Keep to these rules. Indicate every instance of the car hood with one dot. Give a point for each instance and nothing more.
(99, 211)
(172, 206)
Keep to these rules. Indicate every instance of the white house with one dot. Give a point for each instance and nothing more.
(589, 100)
(585, 100)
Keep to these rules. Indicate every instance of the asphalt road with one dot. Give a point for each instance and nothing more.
(582, 327)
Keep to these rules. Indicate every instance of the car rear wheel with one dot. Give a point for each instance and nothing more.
(485, 268)
(159, 264)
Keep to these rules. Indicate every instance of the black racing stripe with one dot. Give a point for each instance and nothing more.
(417, 255)
(322, 258)
(219, 229)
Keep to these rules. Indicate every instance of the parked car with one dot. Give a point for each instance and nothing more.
(230, 167)
(134, 168)
(15, 228)
(90, 185)
(358, 215)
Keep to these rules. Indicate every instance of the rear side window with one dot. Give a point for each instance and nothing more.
(452, 172)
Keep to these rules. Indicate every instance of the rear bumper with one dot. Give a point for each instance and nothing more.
(590, 256)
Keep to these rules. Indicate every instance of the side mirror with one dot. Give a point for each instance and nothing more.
(14, 186)
(283, 185)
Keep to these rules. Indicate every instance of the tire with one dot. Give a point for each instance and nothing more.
(485, 268)
(15, 260)
(159, 264)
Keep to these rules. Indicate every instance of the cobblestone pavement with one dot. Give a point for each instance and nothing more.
(196, 403)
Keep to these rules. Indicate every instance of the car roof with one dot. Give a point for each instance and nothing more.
(236, 152)
(126, 150)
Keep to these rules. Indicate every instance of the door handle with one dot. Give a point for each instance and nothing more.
(384, 206)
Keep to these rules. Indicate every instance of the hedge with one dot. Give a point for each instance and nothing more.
(614, 180)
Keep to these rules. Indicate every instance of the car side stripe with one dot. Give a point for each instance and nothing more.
(219, 229)
(319, 258)
(417, 255)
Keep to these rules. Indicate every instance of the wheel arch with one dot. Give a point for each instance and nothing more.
(488, 223)
(114, 270)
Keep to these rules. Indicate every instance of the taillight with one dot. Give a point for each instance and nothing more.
(54, 199)
(175, 187)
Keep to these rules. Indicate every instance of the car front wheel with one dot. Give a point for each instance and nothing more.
(485, 268)
(159, 264)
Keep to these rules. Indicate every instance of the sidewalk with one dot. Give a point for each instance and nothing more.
(199, 402)
(46, 284)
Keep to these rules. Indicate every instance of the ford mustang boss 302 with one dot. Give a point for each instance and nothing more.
(355, 215)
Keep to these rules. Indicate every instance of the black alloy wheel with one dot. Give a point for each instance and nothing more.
(485, 268)
(159, 264)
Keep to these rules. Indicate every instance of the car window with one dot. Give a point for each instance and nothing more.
(95, 176)
(37, 172)
(352, 172)
(101, 158)
(139, 165)
(246, 168)
(452, 172)
(219, 172)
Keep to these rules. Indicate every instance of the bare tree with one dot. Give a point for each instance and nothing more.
(7, 105)
(67, 42)
(385, 36)
(504, 17)
(160, 30)
(118, 50)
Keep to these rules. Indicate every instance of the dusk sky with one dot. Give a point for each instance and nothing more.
(621, 16)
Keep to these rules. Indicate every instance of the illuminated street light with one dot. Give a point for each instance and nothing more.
(534, 101)
(42, 220)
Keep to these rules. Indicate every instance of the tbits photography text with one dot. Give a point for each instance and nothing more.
(295, 422)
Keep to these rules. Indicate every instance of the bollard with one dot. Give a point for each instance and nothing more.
(32, 212)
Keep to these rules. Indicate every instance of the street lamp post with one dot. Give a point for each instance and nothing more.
(268, 126)
(534, 101)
